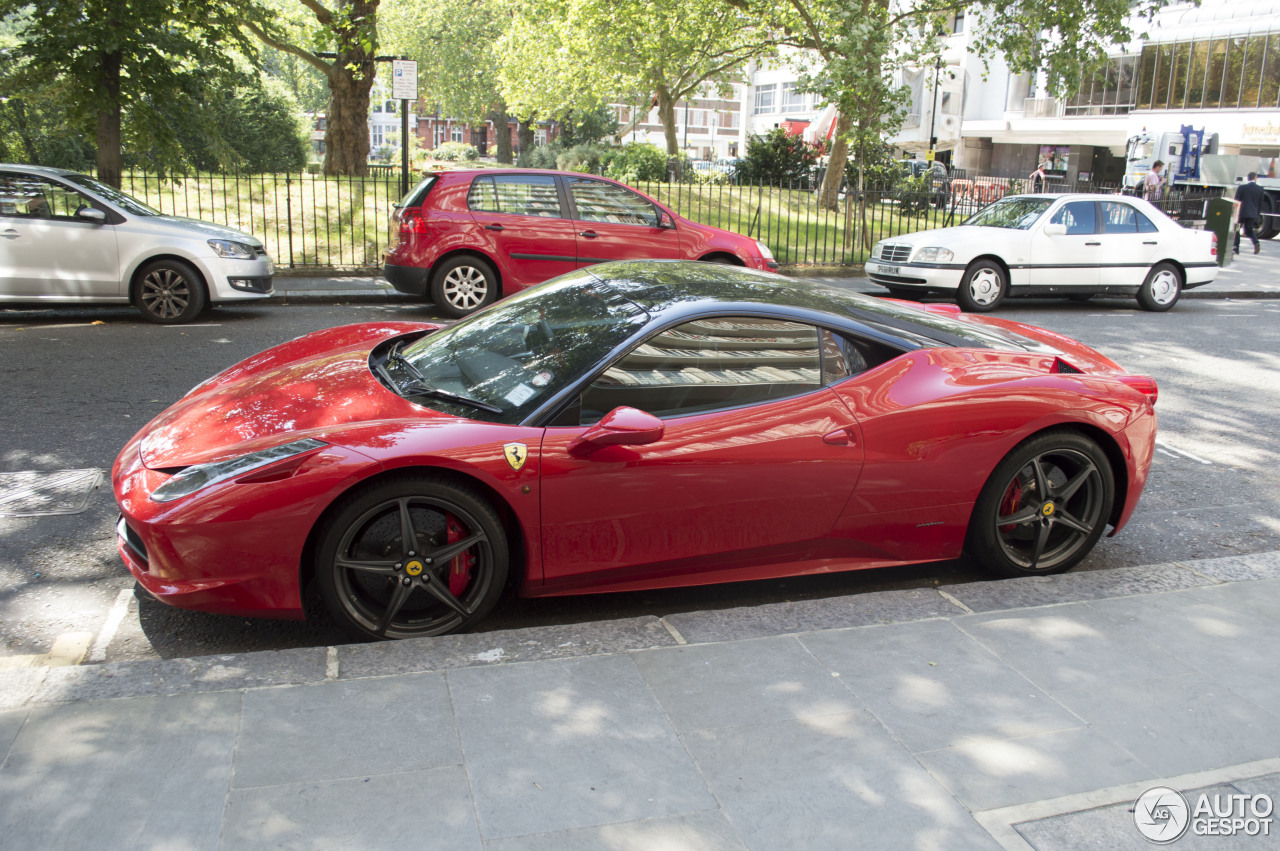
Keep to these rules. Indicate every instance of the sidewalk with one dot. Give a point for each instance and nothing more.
(1019, 714)
(1248, 276)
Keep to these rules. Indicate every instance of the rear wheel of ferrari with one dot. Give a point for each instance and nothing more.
(1044, 508)
(411, 557)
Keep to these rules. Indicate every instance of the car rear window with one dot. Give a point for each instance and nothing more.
(418, 194)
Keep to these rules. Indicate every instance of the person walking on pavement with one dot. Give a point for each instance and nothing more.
(1250, 196)
(1153, 183)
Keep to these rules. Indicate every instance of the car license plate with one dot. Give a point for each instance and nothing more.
(888, 270)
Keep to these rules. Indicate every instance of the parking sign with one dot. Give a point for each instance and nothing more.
(404, 79)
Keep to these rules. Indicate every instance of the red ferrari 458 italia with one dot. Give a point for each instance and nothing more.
(632, 425)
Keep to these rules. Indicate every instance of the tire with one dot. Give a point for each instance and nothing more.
(1161, 289)
(376, 587)
(463, 285)
(1267, 227)
(1043, 534)
(169, 292)
(983, 287)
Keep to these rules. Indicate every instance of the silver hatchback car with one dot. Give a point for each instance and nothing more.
(66, 238)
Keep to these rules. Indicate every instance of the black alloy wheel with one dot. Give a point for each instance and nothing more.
(1044, 507)
(411, 557)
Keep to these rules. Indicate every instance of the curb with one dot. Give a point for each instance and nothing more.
(261, 669)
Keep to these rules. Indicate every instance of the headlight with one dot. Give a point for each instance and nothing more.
(232, 250)
(201, 476)
(764, 250)
(877, 251)
(933, 254)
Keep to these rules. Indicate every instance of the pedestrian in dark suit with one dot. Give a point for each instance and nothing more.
(1250, 195)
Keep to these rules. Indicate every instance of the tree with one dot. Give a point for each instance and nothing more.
(106, 60)
(348, 36)
(561, 55)
(258, 129)
(455, 43)
(857, 45)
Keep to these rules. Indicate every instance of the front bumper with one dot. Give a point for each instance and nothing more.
(239, 280)
(920, 275)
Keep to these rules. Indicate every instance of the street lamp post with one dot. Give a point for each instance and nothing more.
(933, 111)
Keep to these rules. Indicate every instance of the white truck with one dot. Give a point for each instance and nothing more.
(1195, 170)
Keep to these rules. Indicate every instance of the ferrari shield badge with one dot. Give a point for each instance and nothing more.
(515, 453)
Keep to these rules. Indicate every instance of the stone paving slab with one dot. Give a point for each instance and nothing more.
(1239, 568)
(998, 594)
(809, 615)
(501, 646)
(705, 831)
(179, 676)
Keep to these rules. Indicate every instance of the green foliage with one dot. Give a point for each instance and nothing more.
(541, 156)
(39, 132)
(140, 61)
(584, 157)
(455, 152)
(258, 126)
(778, 159)
(588, 125)
(636, 162)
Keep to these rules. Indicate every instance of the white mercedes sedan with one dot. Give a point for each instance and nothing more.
(1051, 245)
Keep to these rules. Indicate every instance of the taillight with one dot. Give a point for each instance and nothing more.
(1144, 384)
(1213, 244)
(412, 221)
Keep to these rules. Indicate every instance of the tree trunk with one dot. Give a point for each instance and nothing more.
(110, 158)
(525, 135)
(351, 76)
(502, 134)
(667, 116)
(830, 196)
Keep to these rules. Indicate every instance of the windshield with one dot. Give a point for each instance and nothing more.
(125, 202)
(518, 355)
(1140, 148)
(1014, 213)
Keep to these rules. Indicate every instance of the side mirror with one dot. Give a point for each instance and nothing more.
(665, 221)
(1055, 229)
(621, 426)
(91, 214)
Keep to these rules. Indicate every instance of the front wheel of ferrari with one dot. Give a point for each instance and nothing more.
(411, 557)
(1044, 507)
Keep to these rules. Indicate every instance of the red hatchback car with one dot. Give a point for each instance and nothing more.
(466, 238)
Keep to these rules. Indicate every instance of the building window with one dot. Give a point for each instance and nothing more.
(766, 98)
(455, 133)
(375, 136)
(1107, 91)
(1240, 72)
(391, 106)
(540, 137)
(729, 120)
(791, 99)
(957, 23)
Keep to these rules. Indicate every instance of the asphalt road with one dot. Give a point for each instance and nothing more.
(78, 383)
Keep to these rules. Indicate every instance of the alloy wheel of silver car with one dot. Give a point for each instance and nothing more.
(168, 292)
(463, 285)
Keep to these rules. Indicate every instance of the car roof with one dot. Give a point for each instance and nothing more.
(678, 289)
(48, 171)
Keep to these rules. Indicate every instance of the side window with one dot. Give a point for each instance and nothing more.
(1078, 216)
(482, 197)
(1119, 218)
(1145, 225)
(843, 357)
(35, 198)
(516, 195)
(603, 202)
(709, 364)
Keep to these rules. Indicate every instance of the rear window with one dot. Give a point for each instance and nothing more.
(418, 194)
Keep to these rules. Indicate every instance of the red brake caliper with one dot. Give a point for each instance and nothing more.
(460, 566)
(1008, 505)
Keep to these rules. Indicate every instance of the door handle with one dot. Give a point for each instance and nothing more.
(840, 437)
(1150, 242)
(494, 227)
(1093, 243)
(10, 233)
(589, 234)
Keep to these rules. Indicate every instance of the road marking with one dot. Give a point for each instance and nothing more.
(119, 609)
(675, 633)
(331, 663)
(1179, 453)
(68, 649)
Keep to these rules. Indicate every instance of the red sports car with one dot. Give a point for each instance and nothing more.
(633, 425)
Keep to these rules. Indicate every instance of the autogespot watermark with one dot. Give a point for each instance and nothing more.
(1164, 815)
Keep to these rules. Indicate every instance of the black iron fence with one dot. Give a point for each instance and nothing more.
(312, 221)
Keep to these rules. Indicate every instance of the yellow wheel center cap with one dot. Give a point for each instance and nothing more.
(1047, 509)
(413, 568)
